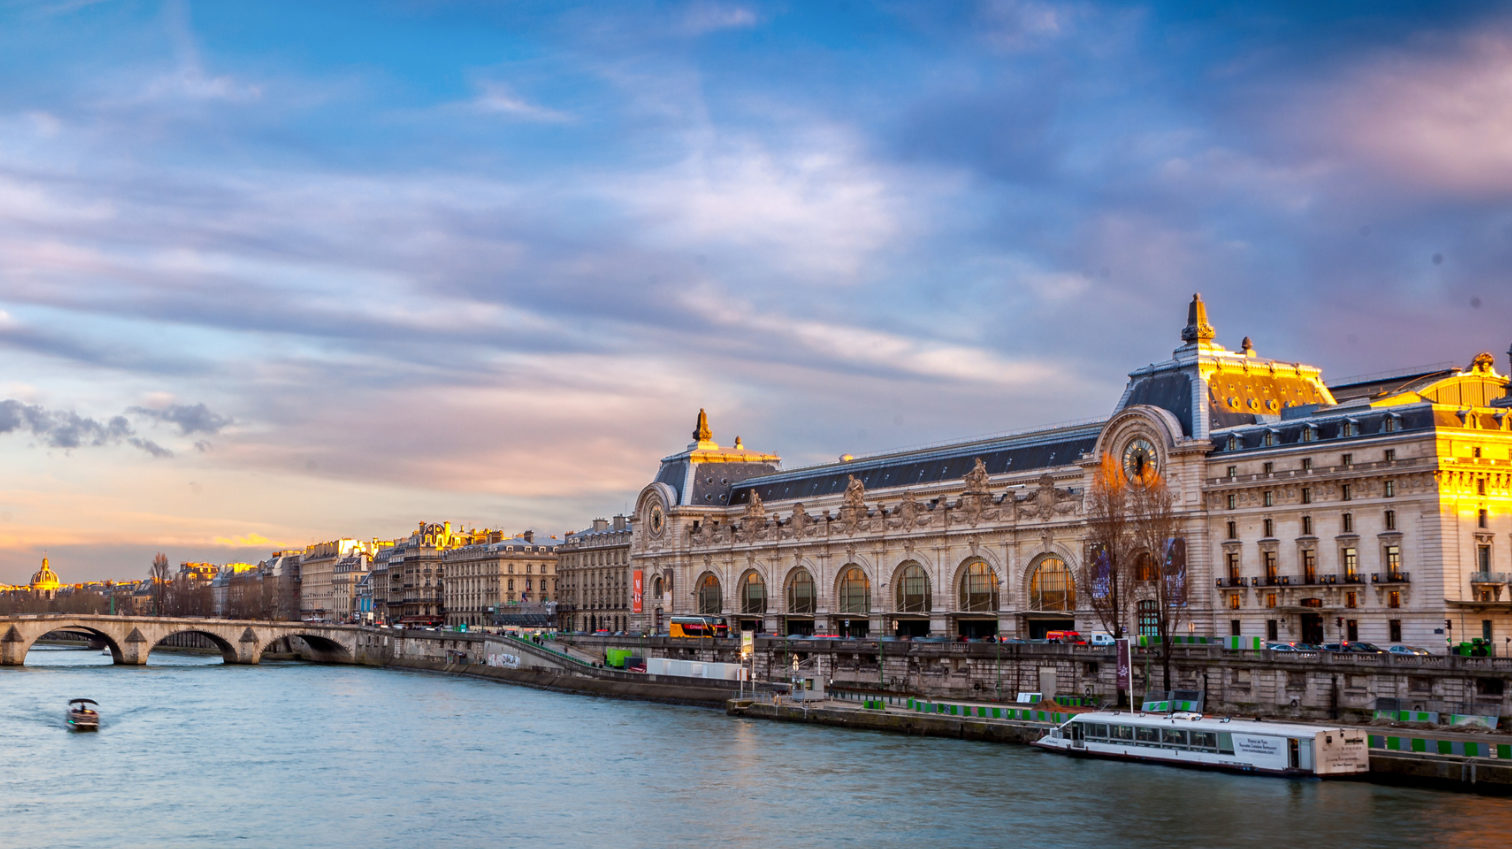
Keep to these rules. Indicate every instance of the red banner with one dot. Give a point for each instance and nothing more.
(636, 604)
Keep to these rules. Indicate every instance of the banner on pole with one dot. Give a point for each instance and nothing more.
(1124, 679)
(637, 604)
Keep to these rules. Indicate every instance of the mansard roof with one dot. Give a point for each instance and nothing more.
(1416, 402)
(1037, 450)
(1208, 387)
(702, 474)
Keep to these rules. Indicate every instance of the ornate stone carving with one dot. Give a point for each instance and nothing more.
(754, 508)
(1047, 501)
(906, 515)
(976, 479)
(855, 493)
(853, 510)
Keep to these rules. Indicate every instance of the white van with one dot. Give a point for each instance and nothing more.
(1101, 638)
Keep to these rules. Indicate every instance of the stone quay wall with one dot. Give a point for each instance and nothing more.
(1274, 684)
(545, 666)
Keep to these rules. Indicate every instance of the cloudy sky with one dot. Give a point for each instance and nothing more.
(272, 273)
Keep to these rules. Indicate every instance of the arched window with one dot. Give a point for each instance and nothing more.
(656, 587)
(1050, 586)
(913, 589)
(800, 593)
(708, 595)
(855, 591)
(979, 589)
(752, 594)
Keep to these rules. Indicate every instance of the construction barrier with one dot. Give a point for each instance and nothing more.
(1434, 746)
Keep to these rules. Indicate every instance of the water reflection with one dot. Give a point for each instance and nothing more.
(196, 753)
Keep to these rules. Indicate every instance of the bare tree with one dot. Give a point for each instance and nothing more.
(1113, 545)
(159, 576)
(1136, 560)
(1162, 551)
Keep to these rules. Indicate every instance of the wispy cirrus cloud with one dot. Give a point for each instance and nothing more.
(706, 17)
(499, 98)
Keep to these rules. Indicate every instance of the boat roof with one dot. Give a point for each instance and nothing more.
(86, 701)
(1204, 723)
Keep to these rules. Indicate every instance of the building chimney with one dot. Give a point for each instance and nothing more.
(620, 523)
(529, 536)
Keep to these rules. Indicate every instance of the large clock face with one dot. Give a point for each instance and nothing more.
(1139, 458)
(656, 519)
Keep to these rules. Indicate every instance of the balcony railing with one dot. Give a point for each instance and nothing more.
(1389, 578)
(1352, 579)
(1278, 580)
(1233, 581)
(1490, 577)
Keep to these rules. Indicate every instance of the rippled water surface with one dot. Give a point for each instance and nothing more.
(194, 753)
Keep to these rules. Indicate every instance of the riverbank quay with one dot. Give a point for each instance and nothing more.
(545, 665)
(1297, 686)
(1471, 763)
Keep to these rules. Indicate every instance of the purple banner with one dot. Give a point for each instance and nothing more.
(1122, 644)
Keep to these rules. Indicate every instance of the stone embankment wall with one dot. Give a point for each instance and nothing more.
(548, 666)
(1303, 686)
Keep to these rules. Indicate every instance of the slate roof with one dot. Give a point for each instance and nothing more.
(1018, 453)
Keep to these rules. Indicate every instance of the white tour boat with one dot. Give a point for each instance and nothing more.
(1191, 739)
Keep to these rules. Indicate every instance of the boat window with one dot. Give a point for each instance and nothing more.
(1204, 740)
(1097, 730)
(1147, 735)
(1174, 737)
(1123, 732)
(1225, 743)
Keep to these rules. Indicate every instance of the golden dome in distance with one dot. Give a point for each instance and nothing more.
(44, 578)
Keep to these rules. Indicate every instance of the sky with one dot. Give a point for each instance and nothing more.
(280, 272)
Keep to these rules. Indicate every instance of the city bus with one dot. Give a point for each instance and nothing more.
(697, 626)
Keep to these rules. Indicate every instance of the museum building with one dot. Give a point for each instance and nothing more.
(1374, 510)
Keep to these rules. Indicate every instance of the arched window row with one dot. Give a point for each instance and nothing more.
(1051, 587)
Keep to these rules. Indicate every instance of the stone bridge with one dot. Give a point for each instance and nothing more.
(131, 638)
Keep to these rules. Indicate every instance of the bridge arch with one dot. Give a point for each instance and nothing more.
(228, 650)
(315, 648)
(73, 628)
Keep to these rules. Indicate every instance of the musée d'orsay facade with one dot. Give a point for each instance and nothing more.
(1374, 510)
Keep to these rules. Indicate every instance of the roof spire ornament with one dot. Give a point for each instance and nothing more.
(701, 433)
(1197, 330)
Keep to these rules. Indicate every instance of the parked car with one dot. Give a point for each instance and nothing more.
(1408, 650)
(1282, 647)
(1353, 648)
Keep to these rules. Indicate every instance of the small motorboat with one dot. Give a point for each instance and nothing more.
(82, 715)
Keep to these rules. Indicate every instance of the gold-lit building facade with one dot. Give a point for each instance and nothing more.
(1377, 510)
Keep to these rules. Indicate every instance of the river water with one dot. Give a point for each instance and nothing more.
(192, 753)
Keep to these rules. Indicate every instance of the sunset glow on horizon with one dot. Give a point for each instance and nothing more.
(278, 273)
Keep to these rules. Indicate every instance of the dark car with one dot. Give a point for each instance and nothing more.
(1353, 648)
